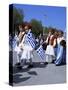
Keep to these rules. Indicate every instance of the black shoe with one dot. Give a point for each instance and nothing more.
(58, 64)
(19, 67)
(46, 63)
(53, 61)
(17, 64)
(30, 66)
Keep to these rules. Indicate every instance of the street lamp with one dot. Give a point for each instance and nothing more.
(44, 27)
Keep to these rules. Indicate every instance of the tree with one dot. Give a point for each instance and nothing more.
(45, 30)
(37, 28)
(18, 17)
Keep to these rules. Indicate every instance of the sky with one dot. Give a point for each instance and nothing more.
(50, 16)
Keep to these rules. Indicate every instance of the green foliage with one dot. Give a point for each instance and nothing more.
(36, 27)
(18, 16)
(45, 30)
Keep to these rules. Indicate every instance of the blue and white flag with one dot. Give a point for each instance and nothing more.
(41, 52)
(31, 39)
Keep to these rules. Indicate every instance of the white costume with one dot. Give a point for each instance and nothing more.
(50, 50)
(27, 48)
(18, 50)
(50, 54)
(27, 53)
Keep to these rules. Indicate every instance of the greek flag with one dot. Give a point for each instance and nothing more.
(31, 39)
(41, 52)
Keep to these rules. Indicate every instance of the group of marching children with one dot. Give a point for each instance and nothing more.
(56, 47)
(55, 44)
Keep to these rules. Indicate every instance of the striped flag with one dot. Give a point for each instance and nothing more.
(41, 52)
(31, 39)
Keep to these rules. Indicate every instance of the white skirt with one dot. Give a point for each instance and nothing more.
(27, 52)
(50, 50)
(17, 49)
(49, 58)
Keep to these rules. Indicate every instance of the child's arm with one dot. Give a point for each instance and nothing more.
(54, 44)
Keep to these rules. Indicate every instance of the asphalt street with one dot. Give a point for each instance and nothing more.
(40, 74)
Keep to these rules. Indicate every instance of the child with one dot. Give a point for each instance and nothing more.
(51, 41)
(60, 49)
(27, 48)
(18, 44)
(55, 48)
(61, 56)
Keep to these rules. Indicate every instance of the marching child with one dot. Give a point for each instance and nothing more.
(61, 48)
(27, 48)
(51, 41)
(18, 43)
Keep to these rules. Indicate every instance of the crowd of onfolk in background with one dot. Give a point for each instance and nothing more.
(54, 46)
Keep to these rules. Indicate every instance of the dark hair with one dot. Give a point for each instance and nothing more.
(56, 33)
(63, 43)
(52, 30)
(28, 24)
(61, 32)
(22, 25)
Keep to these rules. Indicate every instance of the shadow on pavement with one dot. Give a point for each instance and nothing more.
(32, 73)
(35, 65)
(17, 78)
(16, 70)
(39, 65)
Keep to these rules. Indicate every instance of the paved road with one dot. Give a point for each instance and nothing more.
(39, 74)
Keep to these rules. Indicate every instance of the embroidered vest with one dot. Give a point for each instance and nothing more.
(51, 40)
